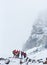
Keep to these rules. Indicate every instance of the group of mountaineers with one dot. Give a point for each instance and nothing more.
(18, 53)
(22, 55)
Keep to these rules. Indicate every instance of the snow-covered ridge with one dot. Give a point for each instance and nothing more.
(37, 58)
(34, 54)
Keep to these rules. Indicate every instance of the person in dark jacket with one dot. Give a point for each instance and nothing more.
(23, 54)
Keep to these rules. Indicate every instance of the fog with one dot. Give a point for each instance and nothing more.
(16, 20)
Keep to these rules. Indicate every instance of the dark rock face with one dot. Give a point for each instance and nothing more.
(39, 33)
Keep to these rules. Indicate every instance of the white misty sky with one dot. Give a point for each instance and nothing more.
(16, 20)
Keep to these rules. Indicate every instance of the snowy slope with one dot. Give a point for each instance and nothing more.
(39, 55)
(35, 50)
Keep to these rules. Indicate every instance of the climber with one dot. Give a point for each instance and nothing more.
(23, 54)
(16, 53)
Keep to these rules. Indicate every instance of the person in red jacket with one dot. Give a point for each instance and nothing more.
(16, 53)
